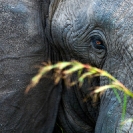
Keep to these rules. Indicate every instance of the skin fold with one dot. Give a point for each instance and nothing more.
(97, 32)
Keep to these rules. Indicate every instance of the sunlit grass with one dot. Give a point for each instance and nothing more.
(64, 70)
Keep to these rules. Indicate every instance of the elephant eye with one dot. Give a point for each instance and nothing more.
(97, 42)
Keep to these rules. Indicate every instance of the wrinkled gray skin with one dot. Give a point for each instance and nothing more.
(33, 31)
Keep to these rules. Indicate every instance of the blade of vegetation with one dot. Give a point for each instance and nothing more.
(117, 95)
(126, 121)
(76, 66)
(124, 106)
(66, 69)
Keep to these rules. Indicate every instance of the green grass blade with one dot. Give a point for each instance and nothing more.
(60, 128)
(117, 95)
(124, 106)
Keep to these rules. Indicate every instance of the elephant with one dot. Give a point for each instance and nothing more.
(96, 32)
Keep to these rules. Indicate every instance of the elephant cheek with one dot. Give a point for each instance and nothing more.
(110, 114)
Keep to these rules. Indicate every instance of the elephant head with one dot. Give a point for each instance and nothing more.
(97, 32)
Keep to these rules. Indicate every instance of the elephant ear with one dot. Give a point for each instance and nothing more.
(24, 46)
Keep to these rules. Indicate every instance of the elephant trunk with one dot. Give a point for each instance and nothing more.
(110, 115)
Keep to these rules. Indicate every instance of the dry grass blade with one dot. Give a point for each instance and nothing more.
(64, 70)
(126, 121)
(75, 66)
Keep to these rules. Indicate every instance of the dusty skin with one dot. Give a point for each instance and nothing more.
(97, 32)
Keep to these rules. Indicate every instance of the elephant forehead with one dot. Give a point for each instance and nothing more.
(74, 19)
(119, 13)
(70, 16)
(70, 24)
(108, 11)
